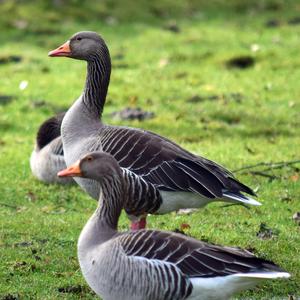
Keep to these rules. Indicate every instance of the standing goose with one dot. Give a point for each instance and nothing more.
(182, 179)
(47, 158)
(152, 264)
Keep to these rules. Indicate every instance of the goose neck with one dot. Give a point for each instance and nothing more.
(97, 81)
(104, 222)
(110, 203)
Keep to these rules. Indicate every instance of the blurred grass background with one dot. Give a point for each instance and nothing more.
(222, 79)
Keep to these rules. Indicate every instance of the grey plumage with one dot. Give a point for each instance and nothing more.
(47, 158)
(179, 176)
(151, 264)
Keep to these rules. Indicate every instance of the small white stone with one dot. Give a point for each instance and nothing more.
(254, 47)
(163, 62)
(23, 85)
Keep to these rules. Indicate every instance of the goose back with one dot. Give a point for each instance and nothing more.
(47, 158)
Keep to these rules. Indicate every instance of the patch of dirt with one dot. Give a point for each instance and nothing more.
(133, 114)
(23, 244)
(201, 98)
(266, 232)
(241, 62)
(10, 59)
(294, 21)
(272, 23)
(5, 99)
(19, 264)
(172, 26)
(237, 97)
(73, 289)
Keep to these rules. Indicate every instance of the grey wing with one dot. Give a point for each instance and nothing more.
(166, 165)
(159, 279)
(194, 258)
(56, 147)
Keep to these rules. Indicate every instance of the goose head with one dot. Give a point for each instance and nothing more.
(84, 45)
(95, 165)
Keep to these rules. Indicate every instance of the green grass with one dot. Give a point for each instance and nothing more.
(159, 71)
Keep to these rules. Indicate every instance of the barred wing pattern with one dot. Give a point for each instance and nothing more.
(142, 197)
(166, 165)
(194, 258)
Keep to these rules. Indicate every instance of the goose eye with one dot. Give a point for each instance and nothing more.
(89, 158)
(79, 39)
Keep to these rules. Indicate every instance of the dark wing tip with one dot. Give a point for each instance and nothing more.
(241, 187)
(49, 130)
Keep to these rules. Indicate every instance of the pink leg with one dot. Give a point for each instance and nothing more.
(140, 224)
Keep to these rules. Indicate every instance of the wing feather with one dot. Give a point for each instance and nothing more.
(166, 165)
(194, 258)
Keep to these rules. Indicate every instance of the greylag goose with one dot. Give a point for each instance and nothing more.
(152, 264)
(47, 158)
(182, 179)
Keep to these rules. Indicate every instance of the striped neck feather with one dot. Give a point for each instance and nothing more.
(97, 81)
(111, 201)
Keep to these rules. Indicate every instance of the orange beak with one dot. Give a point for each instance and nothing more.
(63, 50)
(72, 171)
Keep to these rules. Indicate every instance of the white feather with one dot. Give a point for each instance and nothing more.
(234, 198)
(177, 200)
(223, 287)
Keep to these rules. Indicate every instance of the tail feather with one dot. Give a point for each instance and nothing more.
(224, 287)
(239, 198)
(263, 275)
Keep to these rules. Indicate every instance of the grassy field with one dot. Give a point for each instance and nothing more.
(175, 59)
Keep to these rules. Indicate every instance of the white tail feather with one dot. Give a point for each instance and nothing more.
(224, 287)
(239, 198)
(263, 275)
